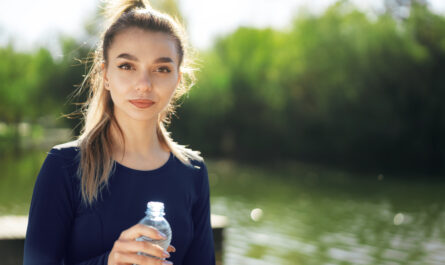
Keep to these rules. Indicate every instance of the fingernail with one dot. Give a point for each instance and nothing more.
(166, 254)
(167, 263)
(162, 235)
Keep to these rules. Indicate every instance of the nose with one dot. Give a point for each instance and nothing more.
(144, 83)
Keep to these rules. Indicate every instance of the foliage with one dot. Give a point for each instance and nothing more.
(34, 85)
(339, 88)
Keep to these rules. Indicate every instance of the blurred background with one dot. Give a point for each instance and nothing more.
(322, 122)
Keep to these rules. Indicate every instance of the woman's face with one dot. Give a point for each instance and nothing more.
(141, 73)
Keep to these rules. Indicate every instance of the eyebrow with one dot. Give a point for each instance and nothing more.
(134, 58)
(164, 60)
(127, 56)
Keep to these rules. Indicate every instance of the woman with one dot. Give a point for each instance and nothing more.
(91, 192)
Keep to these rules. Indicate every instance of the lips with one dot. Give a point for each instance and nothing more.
(142, 103)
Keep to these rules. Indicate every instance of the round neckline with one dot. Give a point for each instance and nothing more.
(156, 170)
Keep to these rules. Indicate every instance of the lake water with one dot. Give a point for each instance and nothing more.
(299, 214)
(323, 216)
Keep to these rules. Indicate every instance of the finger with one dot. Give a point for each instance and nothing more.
(139, 230)
(171, 249)
(132, 246)
(130, 258)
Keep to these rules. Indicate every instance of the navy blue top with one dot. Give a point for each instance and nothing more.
(62, 230)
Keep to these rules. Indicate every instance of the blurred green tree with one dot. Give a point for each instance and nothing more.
(22, 76)
(340, 88)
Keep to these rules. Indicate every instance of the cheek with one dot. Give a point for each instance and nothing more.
(115, 98)
(119, 86)
(166, 86)
(115, 94)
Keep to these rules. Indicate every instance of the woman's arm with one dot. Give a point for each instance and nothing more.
(51, 214)
(201, 250)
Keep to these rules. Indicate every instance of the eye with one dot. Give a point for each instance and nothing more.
(125, 66)
(163, 69)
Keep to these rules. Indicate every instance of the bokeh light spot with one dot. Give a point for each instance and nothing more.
(398, 219)
(256, 214)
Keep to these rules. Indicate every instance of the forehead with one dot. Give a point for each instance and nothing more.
(145, 45)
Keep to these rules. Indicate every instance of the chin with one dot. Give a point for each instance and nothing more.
(141, 117)
(136, 115)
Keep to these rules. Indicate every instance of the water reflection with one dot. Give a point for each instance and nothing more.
(327, 220)
(17, 177)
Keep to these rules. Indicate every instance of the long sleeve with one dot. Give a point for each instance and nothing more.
(201, 250)
(50, 214)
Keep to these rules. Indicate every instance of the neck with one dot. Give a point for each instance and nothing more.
(141, 139)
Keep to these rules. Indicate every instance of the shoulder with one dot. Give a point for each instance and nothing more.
(57, 178)
(199, 165)
(59, 168)
(190, 164)
(65, 157)
(199, 169)
(61, 165)
(200, 178)
(66, 151)
(193, 170)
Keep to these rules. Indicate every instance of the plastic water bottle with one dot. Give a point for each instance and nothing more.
(154, 216)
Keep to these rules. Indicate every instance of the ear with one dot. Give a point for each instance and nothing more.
(179, 78)
(104, 75)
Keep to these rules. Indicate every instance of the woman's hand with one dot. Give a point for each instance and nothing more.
(125, 249)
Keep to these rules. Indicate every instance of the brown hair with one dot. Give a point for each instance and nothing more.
(95, 141)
